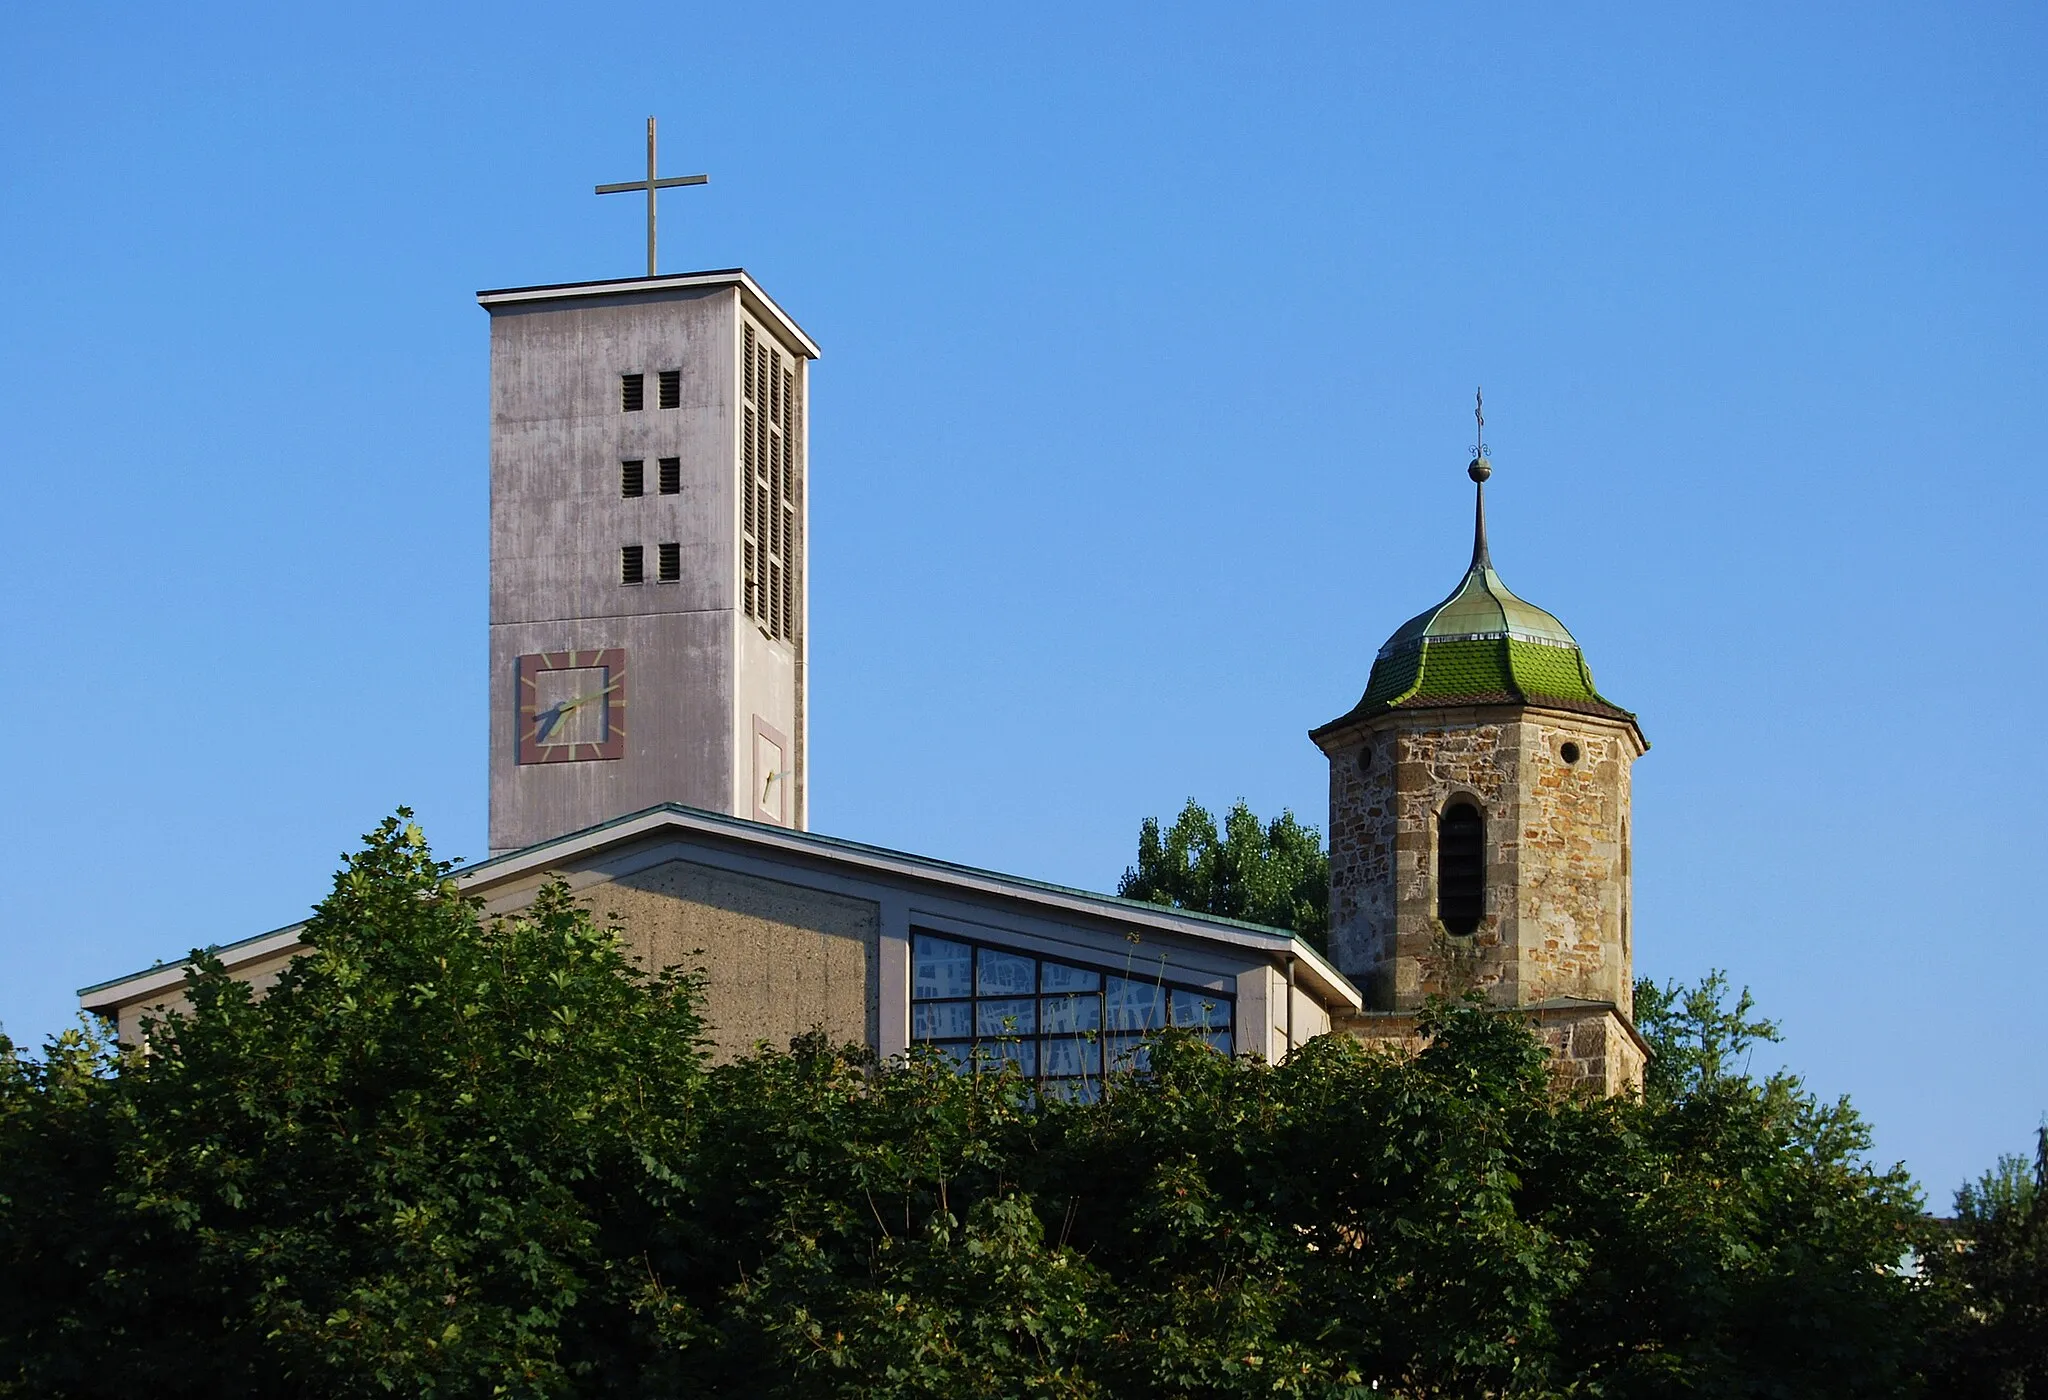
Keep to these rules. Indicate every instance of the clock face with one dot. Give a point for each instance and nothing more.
(572, 706)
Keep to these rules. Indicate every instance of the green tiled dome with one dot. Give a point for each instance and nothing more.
(1481, 646)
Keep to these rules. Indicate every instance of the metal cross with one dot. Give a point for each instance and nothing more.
(650, 184)
(1479, 418)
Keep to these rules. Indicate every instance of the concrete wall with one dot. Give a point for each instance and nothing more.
(698, 672)
(777, 937)
(779, 959)
(794, 933)
(261, 974)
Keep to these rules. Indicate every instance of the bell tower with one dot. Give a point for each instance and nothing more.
(1480, 826)
(649, 616)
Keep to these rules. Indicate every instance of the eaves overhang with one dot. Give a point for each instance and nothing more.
(1510, 704)
(1276, 945)
(757, 301)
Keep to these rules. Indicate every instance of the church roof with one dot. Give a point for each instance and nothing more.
(1482, 645)
(775, 843)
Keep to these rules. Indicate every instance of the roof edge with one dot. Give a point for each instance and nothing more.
(762, 304)
(1360, 714)
(650, 821)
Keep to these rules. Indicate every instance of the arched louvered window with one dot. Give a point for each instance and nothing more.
(1460, 867)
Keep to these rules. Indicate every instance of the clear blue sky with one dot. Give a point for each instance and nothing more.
(1150, 338)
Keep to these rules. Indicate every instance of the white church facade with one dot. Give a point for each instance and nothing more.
(648, 743)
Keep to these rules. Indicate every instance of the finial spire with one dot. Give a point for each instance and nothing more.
(1479, 470)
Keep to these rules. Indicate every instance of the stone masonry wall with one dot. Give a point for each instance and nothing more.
(1571, 853)
(1440, 760)
(1361, 833)
(1557, 877)
(1591, 1050)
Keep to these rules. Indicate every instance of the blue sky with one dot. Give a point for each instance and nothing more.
(1150, 338)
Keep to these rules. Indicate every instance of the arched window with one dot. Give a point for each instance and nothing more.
(1460, 867)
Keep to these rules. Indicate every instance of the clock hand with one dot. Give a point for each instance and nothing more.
(548, 720)
(545, 722)
(594, 695)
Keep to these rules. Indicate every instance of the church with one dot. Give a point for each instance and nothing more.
(648, 743)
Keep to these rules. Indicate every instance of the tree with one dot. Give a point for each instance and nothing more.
(1276, 873)
(1696, 1039)
(1995, 1265)
(421, 1163)
(448, 1155)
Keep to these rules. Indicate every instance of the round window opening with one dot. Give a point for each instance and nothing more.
(1570, 752)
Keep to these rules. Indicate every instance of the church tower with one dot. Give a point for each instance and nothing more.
(649, 617)
(1479, 826)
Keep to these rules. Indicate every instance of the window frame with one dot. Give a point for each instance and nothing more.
(1103, 1039)
(1471, 883)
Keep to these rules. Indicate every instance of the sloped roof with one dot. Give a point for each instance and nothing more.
(673, 818)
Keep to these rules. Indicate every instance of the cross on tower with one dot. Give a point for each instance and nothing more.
(650, 184)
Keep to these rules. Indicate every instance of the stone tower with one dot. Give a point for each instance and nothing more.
(649, 612)
(1479, 827)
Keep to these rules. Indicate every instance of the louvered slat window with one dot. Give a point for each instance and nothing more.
(632, 392)
(1461, 868)
(632, 564)
(671, 476)
(770, 440)
(789, 442)
(632, 478)
(669, 388)
(668, 562)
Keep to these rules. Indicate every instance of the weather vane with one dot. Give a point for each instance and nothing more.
(1480, 468)
(650, 184)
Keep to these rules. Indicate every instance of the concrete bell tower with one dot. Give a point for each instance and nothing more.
(649, 616)
(1479, 827)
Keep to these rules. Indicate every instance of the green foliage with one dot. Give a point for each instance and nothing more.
(1276, 873)
(1995, 1266)
(419, 1164)
(1697, 1041)
(454, 1156)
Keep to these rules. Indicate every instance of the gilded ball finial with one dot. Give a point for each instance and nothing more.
(1480, 469)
